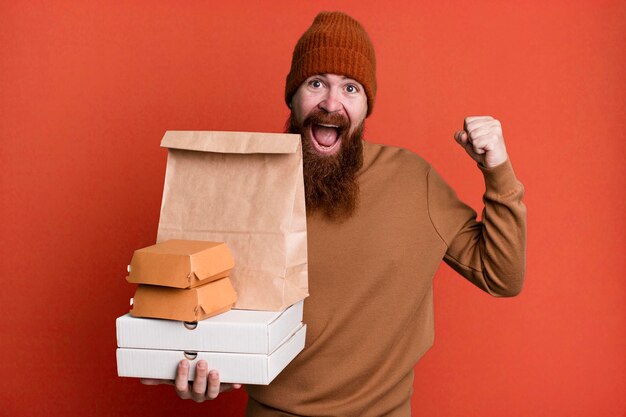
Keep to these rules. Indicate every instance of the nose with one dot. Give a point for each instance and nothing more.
(331, 102)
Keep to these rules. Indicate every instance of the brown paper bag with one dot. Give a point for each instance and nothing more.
(245, 189)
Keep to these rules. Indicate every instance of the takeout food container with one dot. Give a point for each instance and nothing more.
(236, 331)
(185, 304)
(180, 263)
(245, 346)
(243, 368)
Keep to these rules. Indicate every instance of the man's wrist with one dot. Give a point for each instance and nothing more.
(500, 179)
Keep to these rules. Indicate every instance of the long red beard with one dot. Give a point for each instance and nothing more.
(330, 182)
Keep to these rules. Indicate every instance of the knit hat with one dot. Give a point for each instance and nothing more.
(334, 44)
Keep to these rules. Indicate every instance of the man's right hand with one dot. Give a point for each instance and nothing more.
(206, 385)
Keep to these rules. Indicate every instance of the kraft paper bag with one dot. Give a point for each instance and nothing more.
(245, 189)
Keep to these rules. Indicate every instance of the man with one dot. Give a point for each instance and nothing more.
(380, 220)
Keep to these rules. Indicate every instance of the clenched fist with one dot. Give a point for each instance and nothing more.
(482, 139)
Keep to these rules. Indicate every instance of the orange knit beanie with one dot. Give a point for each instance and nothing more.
(334, 44)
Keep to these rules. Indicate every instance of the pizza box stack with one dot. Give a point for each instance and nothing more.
(182, 309)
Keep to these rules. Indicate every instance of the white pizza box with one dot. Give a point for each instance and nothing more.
(235, 331)
(244, 368)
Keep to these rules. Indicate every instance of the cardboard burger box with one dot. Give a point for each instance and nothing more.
(180, 263)
(182, 280)
(185, 304)
(245, 346)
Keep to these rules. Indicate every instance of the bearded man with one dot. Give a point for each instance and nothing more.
(380, 220)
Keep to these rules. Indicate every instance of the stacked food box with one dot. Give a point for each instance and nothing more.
(182, 310)
(182, 280)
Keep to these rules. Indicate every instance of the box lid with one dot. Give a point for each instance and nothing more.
(242, 331)
(180, 263)
(245, 143)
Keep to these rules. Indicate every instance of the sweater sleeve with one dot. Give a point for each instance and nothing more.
(490, 253)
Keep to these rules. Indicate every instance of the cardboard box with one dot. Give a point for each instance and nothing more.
(245, 368)
(236, 331)
(180, 263)
(185, 304)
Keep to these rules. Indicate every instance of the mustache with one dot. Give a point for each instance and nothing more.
(320, 117)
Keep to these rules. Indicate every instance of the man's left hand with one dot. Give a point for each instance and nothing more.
(482, 139)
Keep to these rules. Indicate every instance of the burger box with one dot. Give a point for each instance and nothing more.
(245, 346)
(180, 263)
(184, 304)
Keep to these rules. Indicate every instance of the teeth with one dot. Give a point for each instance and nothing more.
(335, 126)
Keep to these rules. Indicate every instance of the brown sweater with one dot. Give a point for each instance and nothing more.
(370, 312)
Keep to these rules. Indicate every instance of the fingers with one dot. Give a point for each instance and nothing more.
(205, 386)
(214, 385)
(479, 131)
(460, 136)
(483, 140)
(199, 386)
(228, 387)
(182, 380)
(472, 121)
(477, 126)
(464, 140)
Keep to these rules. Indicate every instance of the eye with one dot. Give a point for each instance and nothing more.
(315, 83)
(351, 88)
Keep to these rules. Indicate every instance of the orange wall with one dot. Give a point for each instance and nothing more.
(88, 88)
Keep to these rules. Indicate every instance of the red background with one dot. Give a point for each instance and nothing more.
(87, 89)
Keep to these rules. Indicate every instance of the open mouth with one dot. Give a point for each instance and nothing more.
(325, 137)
